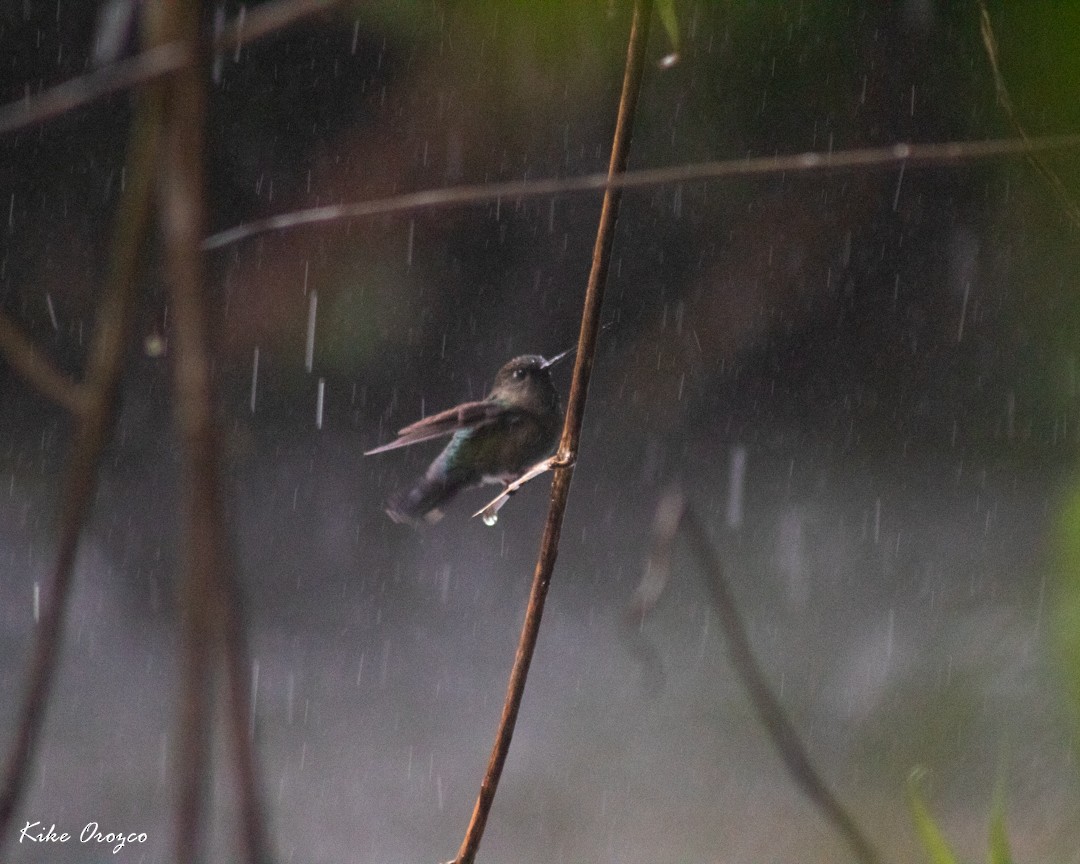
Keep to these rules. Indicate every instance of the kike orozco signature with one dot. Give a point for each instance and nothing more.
(33, 832)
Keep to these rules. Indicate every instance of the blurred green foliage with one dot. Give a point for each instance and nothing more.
(1039, 59)
(933, 840)
(665, 10)
(1039, 45)
(1000, 852)
(1066, 611)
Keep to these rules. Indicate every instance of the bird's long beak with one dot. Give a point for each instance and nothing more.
(558, 357)
(569, 351)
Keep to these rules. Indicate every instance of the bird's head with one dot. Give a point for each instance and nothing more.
(526, 381)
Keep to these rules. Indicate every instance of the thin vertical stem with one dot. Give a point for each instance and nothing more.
(254, 842)
(568, 444)
(213, 624)
(183, 219)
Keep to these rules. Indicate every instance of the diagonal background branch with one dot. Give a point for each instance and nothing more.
(673, 514)
(869, 157)
(265, 20)
(785, 738)
(568, 444)
(152, 64)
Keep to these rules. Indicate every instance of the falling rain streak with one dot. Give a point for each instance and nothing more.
(309, 345)
(219, 60)
(52, 311)
(320, 394)
(254, 693)
(963, 312)
(241, 16)
(254, 377)
(290, 698)
(736, 487)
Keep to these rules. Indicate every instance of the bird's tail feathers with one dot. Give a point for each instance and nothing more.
(423, 500)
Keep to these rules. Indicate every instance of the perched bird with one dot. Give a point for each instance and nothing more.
(494, 440)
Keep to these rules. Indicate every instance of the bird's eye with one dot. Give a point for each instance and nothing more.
(519, 374)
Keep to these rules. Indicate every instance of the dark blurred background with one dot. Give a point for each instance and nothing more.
(893, 352)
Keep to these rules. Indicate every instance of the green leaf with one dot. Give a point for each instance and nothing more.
(999, 839)
(666, 10)
(933, 841)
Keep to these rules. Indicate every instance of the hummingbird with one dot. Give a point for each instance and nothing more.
(495, 440)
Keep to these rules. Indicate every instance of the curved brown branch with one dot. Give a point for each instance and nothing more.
(37, 370)
(567, 453)
(91, 432)
(872, 157)
(769, 710)
(673, 513)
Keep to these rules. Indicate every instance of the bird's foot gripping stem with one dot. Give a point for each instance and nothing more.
(490, 512)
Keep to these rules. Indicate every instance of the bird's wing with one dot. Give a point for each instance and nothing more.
(469, 415)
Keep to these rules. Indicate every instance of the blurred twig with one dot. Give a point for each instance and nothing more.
(674, 513)
(182, 213)
(212, 621)
(37, 370)
(871, 157)
(147, 66)
(212, 614)
(568, 444)
(269, 18)
(263, 21)
(255, 844)
(990, 43)
(92, 426)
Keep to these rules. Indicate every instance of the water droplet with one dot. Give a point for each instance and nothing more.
(490, 518)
